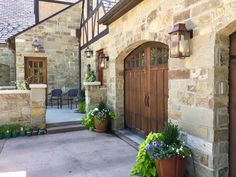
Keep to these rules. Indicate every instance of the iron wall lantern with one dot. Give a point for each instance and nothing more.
(180, 41)
(104, 60)
(36, 44)
(88, 52)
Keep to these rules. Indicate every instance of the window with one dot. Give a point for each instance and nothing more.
(100, 69)
(90, 7)
(35, 70)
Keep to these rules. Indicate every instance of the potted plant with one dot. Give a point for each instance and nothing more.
(22, 131)
(14, 133)
(101, 117)
(98, 118)
(35, 131)
(90, 77)
(28, 131)
(42, 130)
(169, 152)
(7, 134)
(1, 134)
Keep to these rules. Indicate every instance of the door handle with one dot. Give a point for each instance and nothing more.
(148, 101)
(145, 100)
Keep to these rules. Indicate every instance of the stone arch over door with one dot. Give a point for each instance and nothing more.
(224, 97)
(118, 104)
(4, 75)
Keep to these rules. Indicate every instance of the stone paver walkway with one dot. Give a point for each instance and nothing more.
(74, 154)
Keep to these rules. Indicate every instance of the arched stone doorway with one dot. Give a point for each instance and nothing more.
(232, 104)
(146, 87)
(225, 99)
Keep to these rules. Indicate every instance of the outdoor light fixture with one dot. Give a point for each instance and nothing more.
(180, 41)
(88, 52)
(104, 60)
(36, 44)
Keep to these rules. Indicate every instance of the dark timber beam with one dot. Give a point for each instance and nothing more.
(118, 10)
(36, 10)
(59, 2)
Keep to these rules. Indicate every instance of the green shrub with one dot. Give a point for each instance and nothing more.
(11, 128)
(82, 107)
(82, 95)
(171, 134)
(144, 165)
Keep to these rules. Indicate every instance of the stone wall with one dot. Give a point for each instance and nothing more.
(15, 107)
(195, 102)
(94, 94)
(7, 65)
(57, 36)
(26, 107)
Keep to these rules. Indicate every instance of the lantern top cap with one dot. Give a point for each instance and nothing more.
(88, 50)
(178, 27)
(36, 42)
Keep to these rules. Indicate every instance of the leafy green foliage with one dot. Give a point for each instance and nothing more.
(145, 166)
(90, 77)
(21, 85)
(88, 121)
(171, 134)
(103, 112)
(170, 144)
(82, 107)
(102, 106)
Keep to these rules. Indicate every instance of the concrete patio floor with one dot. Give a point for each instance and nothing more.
(74, 154)
(54, 115)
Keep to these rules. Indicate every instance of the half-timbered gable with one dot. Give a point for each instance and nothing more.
(93, 10)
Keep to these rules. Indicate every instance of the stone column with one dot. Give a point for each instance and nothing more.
(94, 94)
(38, 97)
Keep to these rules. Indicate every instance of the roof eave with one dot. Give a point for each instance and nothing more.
(118, 10)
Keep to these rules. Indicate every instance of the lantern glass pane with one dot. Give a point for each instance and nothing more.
(184, 44)
(88, 54)
(174, 50)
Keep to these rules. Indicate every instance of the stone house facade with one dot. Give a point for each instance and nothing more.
(29, 13)
(11, 24)
(58, 49)
(198, 86)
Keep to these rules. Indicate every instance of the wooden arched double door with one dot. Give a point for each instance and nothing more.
(146, 87)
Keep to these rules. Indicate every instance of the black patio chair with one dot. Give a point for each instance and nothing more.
(56, 95)
(71, 96)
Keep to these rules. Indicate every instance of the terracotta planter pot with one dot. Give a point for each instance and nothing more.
(100, 126)
(172, 167)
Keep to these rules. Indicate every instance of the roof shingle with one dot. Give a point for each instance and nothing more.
(108, 4)
(15, 16)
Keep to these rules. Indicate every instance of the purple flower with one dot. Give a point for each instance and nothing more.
(148, 148)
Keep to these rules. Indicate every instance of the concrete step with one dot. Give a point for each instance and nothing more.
(129, 137)
(65, 128)
(60, 124)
